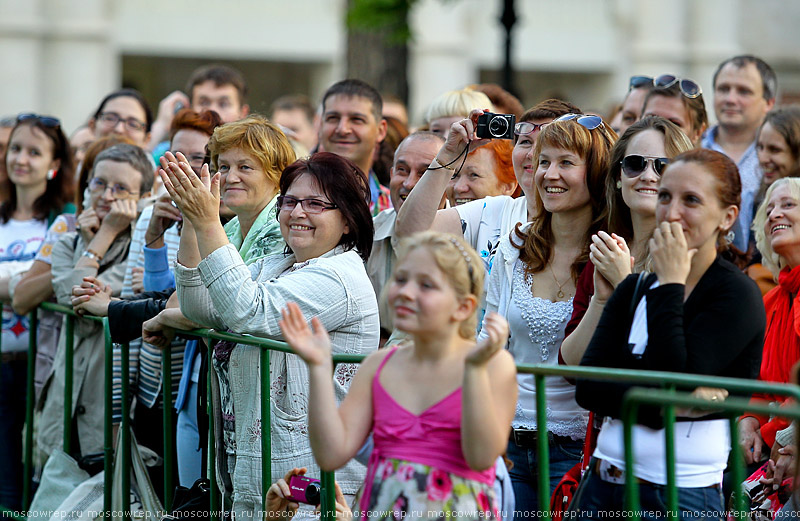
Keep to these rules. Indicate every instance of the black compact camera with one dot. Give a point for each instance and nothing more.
(495, 126)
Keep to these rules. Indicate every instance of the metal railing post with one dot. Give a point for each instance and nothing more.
(736, 460)
(214, 500)
(30, 398)
(108, 437)
(169, 435)
(543, 453)
(125, 426)
(266, 430)
(669, 454)
(69, 355)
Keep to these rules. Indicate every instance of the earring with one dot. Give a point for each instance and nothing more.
(730, 236)
(51, 174)
(619, 184)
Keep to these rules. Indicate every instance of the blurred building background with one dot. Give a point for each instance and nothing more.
(61, 57)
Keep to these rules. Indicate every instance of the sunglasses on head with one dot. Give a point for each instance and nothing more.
(47, 121)
(634, 164)
(689, 88)
(526, 127)
(587, 121)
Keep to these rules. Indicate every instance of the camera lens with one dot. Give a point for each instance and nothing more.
(498, 126)
(313, 493)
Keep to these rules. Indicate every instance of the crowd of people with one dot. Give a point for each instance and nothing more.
(641, 240)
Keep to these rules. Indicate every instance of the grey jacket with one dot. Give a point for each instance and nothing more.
(225, 294)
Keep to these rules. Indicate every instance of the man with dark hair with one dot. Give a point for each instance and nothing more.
(295, 113)
(744, 91)
(352, 126)
(216, 87)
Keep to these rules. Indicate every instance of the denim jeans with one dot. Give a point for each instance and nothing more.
(190, 457)
(597, 499)
(13, 378)
(564, 454)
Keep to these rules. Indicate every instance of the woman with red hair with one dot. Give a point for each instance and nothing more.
(487, 172)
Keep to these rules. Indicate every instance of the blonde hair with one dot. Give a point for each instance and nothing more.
(459, 262)
(769, 258)
(258, 138)
(457, 103)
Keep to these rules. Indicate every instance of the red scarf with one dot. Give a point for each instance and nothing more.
(782, 339)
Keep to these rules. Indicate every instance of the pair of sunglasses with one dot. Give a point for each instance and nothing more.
(587, 121)
(634, 164)
(689, 88)
(47, 121)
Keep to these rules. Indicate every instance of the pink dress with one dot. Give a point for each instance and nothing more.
(417, 468)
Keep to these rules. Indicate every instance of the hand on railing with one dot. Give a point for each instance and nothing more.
(712, 394)
(91, 297)
(160, 330)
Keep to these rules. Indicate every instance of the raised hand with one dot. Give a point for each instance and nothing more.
(461, 132)
(672, 259)
(277, 502)
(496, 328)
(196, 197)
(88, 224)
(610, 256)
(314, 347)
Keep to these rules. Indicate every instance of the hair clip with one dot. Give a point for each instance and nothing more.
(466, 258)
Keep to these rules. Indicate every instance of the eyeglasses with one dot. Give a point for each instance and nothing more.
(633, 165)
(117, 190)
(112, 118)
(688, 87)
(526, 127)
(287, 203)
(47, 121)
(587, 121)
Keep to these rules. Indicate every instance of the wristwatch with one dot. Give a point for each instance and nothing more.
(92, 255)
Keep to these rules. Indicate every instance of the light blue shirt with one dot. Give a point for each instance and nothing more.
(750, 173)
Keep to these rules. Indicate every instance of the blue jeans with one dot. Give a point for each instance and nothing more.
(564, 454)
(190, 457)
(597, 499)
(13, 378)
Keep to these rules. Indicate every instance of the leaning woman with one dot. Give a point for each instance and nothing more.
(325, 220)
(697, 314)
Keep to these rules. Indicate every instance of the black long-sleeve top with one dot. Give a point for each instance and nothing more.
(125, 317)
(719, 331)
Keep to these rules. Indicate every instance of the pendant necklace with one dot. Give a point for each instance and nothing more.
(560, 294)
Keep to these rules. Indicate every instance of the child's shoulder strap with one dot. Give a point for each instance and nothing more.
(386, 358)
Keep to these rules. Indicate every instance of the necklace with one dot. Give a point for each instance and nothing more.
(560, 285)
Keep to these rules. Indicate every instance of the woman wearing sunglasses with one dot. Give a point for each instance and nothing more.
(484, 221)
(532, 283)
(696, 313)
(40, 171)
(679, 100)
(637, 161)
(325, 220)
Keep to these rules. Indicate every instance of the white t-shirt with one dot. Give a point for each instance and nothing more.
(19, 242)
(486, 220)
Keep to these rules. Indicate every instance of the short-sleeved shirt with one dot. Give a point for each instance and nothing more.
(63, 223)
(485, 221)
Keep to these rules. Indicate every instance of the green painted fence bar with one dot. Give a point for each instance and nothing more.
(266, 431)
(125, 426)
(69, 355)
(669, 398)
(27, 473)
(108, 430)
(214, 500)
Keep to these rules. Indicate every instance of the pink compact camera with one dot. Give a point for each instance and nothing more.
(305, 490)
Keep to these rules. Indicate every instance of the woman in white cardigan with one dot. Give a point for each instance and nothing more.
(325, 221)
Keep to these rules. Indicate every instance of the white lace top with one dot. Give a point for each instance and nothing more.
(536, 331)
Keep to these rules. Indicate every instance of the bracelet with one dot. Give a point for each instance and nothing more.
(443, 166)
(92, 255)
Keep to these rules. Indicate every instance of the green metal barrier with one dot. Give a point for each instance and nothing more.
(669, 400)
(669, 380)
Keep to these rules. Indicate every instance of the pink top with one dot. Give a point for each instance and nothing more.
(433, 438)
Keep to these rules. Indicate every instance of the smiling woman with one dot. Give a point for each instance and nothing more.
(325, 220)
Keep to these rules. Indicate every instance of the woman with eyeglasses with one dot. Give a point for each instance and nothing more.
(40, 171)
(124, 112)
(487, 172)
(325, 220)
(121, 175)
(696, 313)
(679, 100)
(482, 222)
(637, 161)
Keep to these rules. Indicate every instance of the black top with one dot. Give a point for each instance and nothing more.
(125, 317)
(718, 331)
